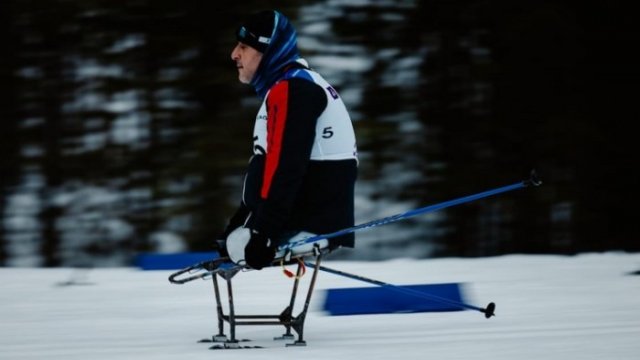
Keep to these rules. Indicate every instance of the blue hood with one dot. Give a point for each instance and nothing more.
(282, 50)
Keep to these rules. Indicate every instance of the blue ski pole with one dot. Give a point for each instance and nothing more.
(533, 180)
(488, 312)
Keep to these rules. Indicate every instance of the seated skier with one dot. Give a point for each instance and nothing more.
(300, 179)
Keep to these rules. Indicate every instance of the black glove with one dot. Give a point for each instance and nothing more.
(220, 245)
(260, 251)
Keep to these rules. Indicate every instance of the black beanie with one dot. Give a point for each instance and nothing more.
(256, 30)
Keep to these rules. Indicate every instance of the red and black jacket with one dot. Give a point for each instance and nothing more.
(303, 171)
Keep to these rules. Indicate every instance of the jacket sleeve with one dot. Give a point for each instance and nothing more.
(293, 108)
(237, 220)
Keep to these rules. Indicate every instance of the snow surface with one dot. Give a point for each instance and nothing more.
(548, 307)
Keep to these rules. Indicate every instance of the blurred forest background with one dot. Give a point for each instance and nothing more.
(124, 128)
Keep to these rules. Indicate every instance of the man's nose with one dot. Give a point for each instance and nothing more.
(234, 54)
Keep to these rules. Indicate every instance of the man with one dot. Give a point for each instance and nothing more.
(302, 173)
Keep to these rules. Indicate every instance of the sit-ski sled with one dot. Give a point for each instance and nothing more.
(226, 270)
(311, 247)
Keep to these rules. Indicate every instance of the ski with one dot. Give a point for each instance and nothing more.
(229, 345)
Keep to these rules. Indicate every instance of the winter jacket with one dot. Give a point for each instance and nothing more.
(302, 173)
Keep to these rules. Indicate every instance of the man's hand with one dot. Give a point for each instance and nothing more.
(260, 251)
(220, 245)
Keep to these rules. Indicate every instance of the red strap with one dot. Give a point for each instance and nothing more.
(288, 273)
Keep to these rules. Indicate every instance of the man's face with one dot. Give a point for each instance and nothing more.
(247, 60)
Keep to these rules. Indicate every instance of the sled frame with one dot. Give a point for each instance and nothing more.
(285, 318)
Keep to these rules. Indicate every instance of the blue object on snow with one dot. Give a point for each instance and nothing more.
(152, 261)
(383, 300)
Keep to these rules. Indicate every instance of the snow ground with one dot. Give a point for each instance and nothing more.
(548, 307)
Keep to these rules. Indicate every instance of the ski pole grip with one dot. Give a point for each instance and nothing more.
(533, 179)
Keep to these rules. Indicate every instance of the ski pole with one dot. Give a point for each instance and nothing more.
(488, 311)
(533, 180)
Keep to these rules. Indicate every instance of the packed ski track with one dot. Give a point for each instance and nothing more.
(548, 307)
